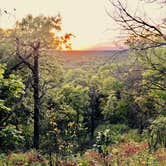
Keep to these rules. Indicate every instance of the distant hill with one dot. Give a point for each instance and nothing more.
(92, 58)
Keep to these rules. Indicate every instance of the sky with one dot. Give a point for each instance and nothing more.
(86, 19)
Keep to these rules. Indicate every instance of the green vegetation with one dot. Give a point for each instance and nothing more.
(92, 108)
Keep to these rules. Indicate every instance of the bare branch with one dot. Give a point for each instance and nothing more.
(20, 56)
(134, 24)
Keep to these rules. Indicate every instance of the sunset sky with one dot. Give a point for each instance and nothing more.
(87, 19)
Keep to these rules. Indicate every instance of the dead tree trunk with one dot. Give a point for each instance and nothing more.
(36, 96)
(35, 72)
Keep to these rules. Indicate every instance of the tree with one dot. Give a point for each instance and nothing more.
(147, 42)
(11, 91)
(142, 32)
(32, 37)
(143, 36)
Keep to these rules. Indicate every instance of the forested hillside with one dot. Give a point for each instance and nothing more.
(85, 108)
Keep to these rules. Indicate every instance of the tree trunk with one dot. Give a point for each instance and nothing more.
(36, 98)
(93, 97)
(92, 123)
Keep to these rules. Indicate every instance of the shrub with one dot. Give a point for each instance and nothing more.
(161, 156)
(92, 157)
(2, 160)
(108, 135)
(26, 159)
(134, 154)
(131, 135)
(17, 159)
(10, 138)
(157, 133)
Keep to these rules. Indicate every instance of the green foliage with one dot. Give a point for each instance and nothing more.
(11, 138)
(27, 133)
(5, 51)
(64, 117)
(132, 135)
(44, 29)
(157, 133)
(11, 88)
(107, 135)
(103, 140)
(3, 159)
(99, 101)
(75, 96)
(116, 109)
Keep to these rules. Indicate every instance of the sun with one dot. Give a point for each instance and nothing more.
(80, 44)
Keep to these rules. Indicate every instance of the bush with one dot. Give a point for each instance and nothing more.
(161, 156)
(134, 154)
(157, 133)
(17, 159)
(92, 157)
(108, 135)
(131, 135)
(2, 160)
(10, 138)
(25, 159)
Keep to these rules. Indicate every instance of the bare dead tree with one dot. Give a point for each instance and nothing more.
(146, 39)
(158, 1)
(143, 33)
